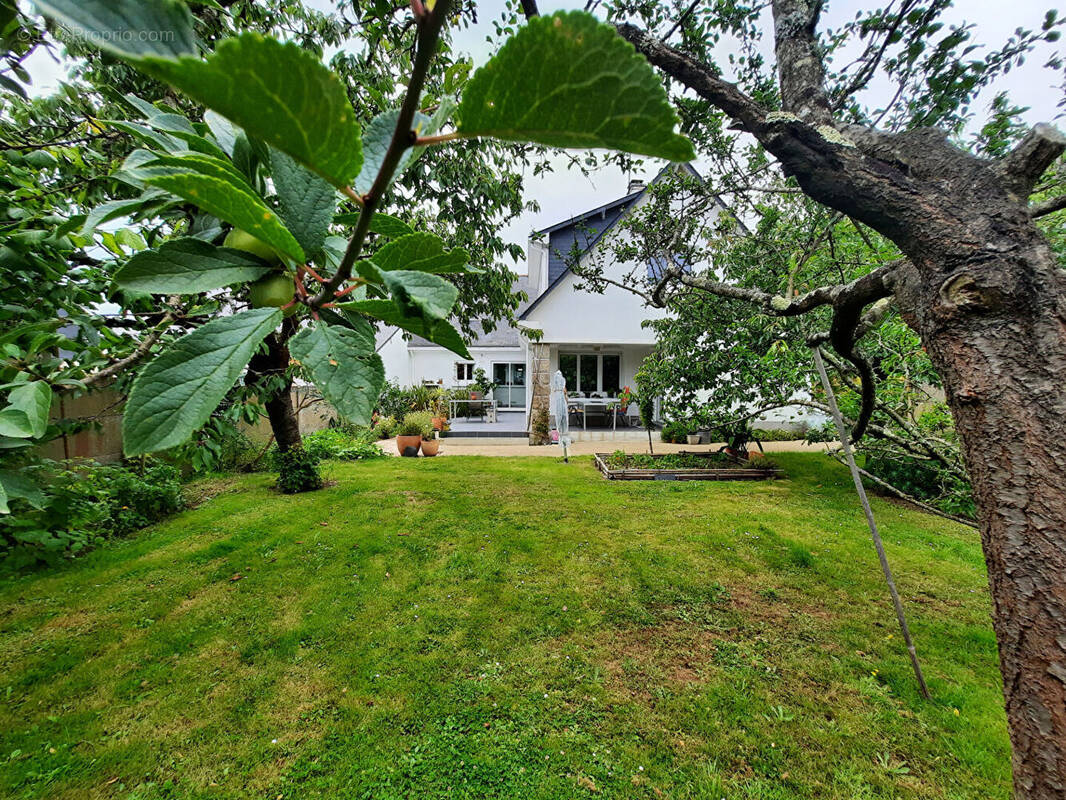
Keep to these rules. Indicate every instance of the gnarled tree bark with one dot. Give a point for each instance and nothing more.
(983, 290)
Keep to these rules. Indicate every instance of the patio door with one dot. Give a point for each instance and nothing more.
(510, 380)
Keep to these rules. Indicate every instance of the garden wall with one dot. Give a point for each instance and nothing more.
(104, 444)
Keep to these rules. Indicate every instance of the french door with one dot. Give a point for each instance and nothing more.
(510, 380)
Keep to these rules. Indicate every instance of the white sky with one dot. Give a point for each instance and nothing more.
(562, 194)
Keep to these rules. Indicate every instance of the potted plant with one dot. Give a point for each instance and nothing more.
(430, 443)
(411, 430)
(694, 438)
(439, 409)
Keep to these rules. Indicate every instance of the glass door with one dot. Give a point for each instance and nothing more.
(510, 380)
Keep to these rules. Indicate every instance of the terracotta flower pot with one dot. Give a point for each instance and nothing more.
(438, 423)
(403, 442)
(430, 447)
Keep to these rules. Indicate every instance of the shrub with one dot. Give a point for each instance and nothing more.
(341, 445)
(297, 471)
(386, 427)
(417, 423)
(80, 504)
(676, 431)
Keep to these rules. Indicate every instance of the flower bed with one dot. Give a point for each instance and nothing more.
(684, 466)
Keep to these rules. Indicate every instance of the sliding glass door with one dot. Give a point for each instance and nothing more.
(510, 380)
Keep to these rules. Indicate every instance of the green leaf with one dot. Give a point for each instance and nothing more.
(386, 225)
(129, 28)
(568, 80)
(121, 208)
(224, 194)
(15, 424)
(189, 265)
(280, 93)
(34, 399)
(342, 363)
(420, 293)
(422, 252)
(15, 485)
(376, 143)
(306, 203)
(442, 332)
(175, 394)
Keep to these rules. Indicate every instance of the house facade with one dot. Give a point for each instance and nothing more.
(597, 340)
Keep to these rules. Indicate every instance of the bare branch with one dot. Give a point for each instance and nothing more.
(110, 373)
(529, 8)
(727, 96)
(1048, 207)
(799, 62)
(1022, 167)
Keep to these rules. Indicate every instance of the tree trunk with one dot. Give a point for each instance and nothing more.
(272, 362)
(995, 329)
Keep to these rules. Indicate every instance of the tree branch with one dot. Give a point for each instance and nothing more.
(429, 27)
(799, 62)
(529, 8)
(727, 96)
(1048, 207)
(1023, 166)
(143, 350)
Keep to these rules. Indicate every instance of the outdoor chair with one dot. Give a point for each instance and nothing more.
(598, 412)
(476, 407)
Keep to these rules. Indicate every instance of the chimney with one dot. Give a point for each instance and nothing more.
(635, 185)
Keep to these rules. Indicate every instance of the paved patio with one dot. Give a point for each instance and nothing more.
(467, 447)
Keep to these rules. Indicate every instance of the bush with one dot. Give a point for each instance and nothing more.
(81, 504)
(676, 431)
(777, 435)
(385, 428)
(341, 445)
(417, 423)
(925, 481)
(297, 471)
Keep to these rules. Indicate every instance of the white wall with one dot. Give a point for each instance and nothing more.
(413, 365)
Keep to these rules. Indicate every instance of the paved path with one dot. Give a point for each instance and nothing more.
(448, 448)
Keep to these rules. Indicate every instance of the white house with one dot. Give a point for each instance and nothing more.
(596, 339)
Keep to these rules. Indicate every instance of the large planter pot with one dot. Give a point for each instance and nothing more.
(439, 423)
(694, 438)
(430, 447)
(403, 442)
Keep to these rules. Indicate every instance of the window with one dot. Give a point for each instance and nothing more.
(612, 373)
(464, 371)
(589, 372)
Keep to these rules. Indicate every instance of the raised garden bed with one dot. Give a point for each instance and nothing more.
(684, 466)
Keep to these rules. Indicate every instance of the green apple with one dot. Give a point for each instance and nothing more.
(274, 290)
(241, 240)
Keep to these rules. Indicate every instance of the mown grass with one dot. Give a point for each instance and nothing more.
(513, 628)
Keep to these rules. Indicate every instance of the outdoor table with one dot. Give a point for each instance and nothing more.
(489, 417)
(596, 401)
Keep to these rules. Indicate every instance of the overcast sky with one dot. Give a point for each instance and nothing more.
(562, 194)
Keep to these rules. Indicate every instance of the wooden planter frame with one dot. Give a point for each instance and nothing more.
(687, 474)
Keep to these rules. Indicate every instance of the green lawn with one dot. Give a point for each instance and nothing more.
(513, 628)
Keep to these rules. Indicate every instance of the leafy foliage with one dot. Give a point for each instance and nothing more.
(178, 390)
(82, 504)
(297, 471)
(580, 86)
